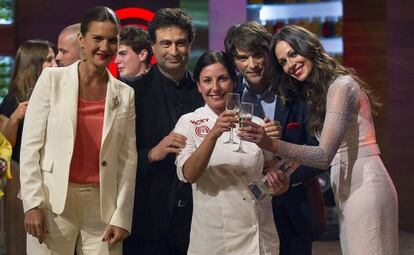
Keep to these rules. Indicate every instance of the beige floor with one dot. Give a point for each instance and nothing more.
(333, 248)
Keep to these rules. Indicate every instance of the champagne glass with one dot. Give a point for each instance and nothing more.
(260, 189)
(245, 114)
(232, 104)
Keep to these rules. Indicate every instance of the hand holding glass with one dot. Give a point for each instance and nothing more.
(232, 104)
(245, 115)
(261, 189)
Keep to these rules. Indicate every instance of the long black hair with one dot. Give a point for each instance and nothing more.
(325, 70)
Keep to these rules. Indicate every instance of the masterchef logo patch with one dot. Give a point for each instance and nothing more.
(202, 131)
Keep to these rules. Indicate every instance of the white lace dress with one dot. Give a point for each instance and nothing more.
(364, 192)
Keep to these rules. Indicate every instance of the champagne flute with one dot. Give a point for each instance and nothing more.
(232, 104)
(245, 114)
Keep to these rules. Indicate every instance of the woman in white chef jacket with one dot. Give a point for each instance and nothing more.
(226, 217)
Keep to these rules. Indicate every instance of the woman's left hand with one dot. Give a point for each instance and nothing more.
(114, 234)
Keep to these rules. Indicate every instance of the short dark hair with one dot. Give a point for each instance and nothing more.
(137, 39)
(249, 36)
(97, 13)
(211, 57)
(170, 17)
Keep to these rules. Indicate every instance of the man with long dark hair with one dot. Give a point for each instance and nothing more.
(298, 213)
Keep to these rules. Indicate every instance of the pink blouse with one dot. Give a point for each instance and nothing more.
(84, 167)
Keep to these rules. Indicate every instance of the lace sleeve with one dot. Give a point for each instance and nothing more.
(342, 102)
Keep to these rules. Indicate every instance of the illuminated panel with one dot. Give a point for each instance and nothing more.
(321, 10)
(287, 11)
(132, 12)
(6, 12)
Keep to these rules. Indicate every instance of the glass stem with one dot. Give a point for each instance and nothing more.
(240, 146)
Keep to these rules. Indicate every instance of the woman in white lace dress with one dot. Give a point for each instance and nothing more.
(341, 116)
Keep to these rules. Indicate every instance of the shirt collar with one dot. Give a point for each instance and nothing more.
(207, 111)
(166, 80)
(267, 95)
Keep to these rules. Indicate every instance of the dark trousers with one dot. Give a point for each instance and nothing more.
(291, 242)
(174, 242)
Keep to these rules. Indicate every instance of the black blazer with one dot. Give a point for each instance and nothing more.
(157, 183)
(303, 201)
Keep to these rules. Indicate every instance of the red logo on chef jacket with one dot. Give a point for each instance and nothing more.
(202, 131)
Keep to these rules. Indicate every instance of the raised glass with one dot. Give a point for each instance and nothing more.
(232, 104)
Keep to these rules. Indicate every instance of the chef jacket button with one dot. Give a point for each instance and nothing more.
(103, 163)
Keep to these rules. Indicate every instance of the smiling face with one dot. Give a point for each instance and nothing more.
(251, 67)
(100, 43)
(171, 49)
(214, 84)
(293, 64)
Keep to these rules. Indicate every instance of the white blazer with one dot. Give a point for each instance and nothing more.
(48, 140)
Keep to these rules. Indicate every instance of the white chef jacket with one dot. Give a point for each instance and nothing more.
(226, 218)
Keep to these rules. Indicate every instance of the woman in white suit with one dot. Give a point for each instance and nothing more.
(78, 156)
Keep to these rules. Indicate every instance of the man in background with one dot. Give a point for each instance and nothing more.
(133, 58)
(68, 45)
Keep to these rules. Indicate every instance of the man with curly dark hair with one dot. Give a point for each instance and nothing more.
(163, 205)
(298, 213)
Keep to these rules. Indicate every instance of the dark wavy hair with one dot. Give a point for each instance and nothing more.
(137, 39)
(28, 66)
(325, 70)
(249, 37)
(211, 57)
(171, 17)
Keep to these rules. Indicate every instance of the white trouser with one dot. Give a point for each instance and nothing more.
(79, 226)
